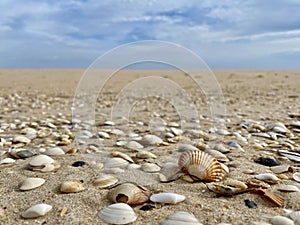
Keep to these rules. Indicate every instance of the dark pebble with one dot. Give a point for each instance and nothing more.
(23, 154)
(78, 163)
(147, 207)
(250, 204)
(267, 161)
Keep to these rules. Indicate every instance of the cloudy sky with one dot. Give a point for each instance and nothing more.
(238, 34)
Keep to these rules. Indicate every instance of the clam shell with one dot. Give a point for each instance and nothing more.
(294, 215)
(281, 169)
(31, 183)
(290, 155)
(145, 155)
(150, 167)
(267, 177)
(119, 213)
(36, 211)
(21, 139)
(7, 161)
(41, 160)
(134, 145)
(181, 218)
(121, 155)
(186, 147)
(54, 151)
(44, 132)
(168, 198)
(201, 166)
(288, 188)
(150, 139)
(103, 135)
(116, 162)
(129, 193)
(105, 180)
(217, 155)
(71, 187)
(296, 177)
(281, 220)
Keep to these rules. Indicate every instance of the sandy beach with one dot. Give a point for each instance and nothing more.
(43, 98)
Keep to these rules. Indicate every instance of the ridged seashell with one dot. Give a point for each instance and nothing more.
(296, 177)
(150, 167)
(167, 198)
(129, 193)
(145, 155)
(41, 160)
(31, 183)
(228, 188)
(290, 155)
(54, 151)
(21, 139)
(281, 220)
(288, 188)
(36, 211)
(71, 187)
(181, 218)
(116, 162)
(201, 166)
(217, 155)
(267, 177)
(105, 180)
(272, 197)
(44, 132)
(281, 169)
(119, 213)
(150, 139)
(122, 155)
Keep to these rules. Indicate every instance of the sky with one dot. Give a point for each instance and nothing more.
(226, 34)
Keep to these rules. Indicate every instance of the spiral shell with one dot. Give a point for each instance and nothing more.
(201, 166)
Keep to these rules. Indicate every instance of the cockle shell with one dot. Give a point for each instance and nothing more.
(168, 198)
(105, 180)
(119, 213)
(129, 193)
(181, 218)
(71, 187)
(201, 166)
(228, 188)
(36, 211)
(31, 183)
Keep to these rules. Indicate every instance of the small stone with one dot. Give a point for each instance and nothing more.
(147, 207)
(250, 204)
(78, 163)
(267, 161)
(23, 154)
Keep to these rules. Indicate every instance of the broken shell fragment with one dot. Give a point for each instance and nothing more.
(167, 198)
(129, 193)
(36, 211)
(181, 218)
(270, 196)
(119, 213)
(201, 166)
(228, 188)
(71, 187)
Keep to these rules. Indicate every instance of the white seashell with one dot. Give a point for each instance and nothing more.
(221, 148)
(122, 155)
(260, 223)
(36, 211)
(186, 147)
(31, 183)
(105, 180)
(217, 155)
(116, 162)
(176, 131)
(150, 167)
(71, 187)
(109, 123)
(41, 160)
(150, 139)
(281, 169)
(7, 161)
(54, 151)
(181, 218)
(281, 220)
(103, 135)
(145, 155)
(267, 177)
(119, 213)
(296, 177)
(134, 166)
(294, 215)
(290, 155)
(134, 145)
(44, 132)
(288, 188)
(21, 139)
(168, 198)
(201, 166)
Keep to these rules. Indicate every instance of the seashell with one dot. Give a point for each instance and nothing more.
(272, 197)
(186, 147)
(44, 132)
(103, 135)
(294, 215)
(36, 211)
(260, 223)
(201, 166)
(150, 167)
(174, 124)
(119, 213)
(176, 131)
(296, 177)
(167, 198)
(228, 188)
(129, 193)
(267, 177)
(288, 188)
(221, 148)
(254, 183)
(225, 168)
(290, 155)
(41, 160)
(145, 155)
(217, 155)
(7, 161)
(105, 180)
(31, 183)
(281, 169)
(281, 220)
(181, 218)
(71, 187)
(108, 123)
(54, 151)
(21, 139)
(134, 166)
(122, 155)
(133, 145)
(116, 162)
(150, 139)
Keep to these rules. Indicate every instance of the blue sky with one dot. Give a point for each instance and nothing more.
(226, 34)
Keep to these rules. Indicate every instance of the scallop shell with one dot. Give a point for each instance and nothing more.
(36, 211)
(168, 198)
(119, 213)
(71, 187)
(181, 218)
(272, 197)
(31, 183)
(129, 193)
(296, 177)
(105, 180)
(201, 166)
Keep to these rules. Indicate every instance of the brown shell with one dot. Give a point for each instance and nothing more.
(270, 196)
(129, 193)
(201, 166)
